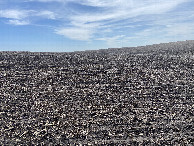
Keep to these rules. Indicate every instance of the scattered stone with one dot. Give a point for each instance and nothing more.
(127, 96)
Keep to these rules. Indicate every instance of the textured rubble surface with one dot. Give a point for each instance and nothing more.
(128, 96)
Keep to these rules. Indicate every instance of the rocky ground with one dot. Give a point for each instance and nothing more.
(128, 96)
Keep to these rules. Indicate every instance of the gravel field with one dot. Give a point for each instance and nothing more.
(127, 96)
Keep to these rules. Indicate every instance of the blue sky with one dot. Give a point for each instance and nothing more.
(75, 25)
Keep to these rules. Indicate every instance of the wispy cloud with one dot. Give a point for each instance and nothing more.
(181, 29)
(45, 0)
(22, 17)
(113, 41)
(14, 14)
(46, 14)
(19, 22)
(116, 11)
(76, 33)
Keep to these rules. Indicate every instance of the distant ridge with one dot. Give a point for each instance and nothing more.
(111, 49)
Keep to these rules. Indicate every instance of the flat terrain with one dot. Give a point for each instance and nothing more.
(134, 96)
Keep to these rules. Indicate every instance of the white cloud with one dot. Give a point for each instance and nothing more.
(46, 0)
(79, 31)
(112, 41)
(126, 11)
(119, 10)
(156, 34)
(14, 14)
(75, 33)
(106, 3)
(19, 22)
(47, 14)
(181, 29)
(18, 17)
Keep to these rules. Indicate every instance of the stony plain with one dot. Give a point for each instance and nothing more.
(118, 96)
